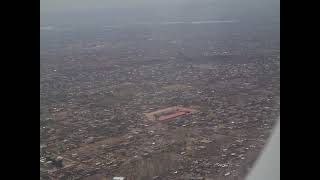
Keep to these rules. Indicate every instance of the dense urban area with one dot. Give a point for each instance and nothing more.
(191, 100)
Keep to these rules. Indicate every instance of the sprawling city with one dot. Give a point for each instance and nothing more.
(157, 100)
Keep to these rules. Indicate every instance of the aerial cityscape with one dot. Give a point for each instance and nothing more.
(192, 99)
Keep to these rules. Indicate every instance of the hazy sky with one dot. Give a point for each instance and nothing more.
(80, 5)
(104, 11)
